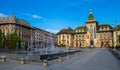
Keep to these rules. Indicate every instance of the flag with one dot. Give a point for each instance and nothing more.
(94, 32)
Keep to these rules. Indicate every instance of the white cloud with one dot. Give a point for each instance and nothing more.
(36, 16)
(52, 30)
(2, 15)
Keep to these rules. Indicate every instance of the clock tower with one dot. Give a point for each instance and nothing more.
(91, 27)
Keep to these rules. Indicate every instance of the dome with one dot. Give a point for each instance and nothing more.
(66, 31)
(81, 28)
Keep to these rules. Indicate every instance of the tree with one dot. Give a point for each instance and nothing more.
(2, 38)
(118, 38)
(13, 41)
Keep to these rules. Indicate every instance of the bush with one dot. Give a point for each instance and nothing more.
(112, 47)
(117, 47)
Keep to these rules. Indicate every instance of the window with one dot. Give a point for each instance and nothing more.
(67, 41)
(67, 37)
(104, 28)
(59, 37)
(116, 33)
(80, 36)
(82, 30)
(76, 36)
(59, 42)
(83, 36)
(63, 36)
(76, 30)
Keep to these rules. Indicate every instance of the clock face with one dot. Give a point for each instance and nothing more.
(91, 26)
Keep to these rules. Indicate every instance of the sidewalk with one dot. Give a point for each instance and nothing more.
(98, 59)
(93, 59)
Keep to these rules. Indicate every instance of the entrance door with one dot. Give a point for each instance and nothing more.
(102, 45)
(91, 42)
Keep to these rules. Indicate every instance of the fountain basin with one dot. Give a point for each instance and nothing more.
(56, 55)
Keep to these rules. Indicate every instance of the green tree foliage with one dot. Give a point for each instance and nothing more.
(119, 38)
(13, 41)
(2, 38)
(118, 46)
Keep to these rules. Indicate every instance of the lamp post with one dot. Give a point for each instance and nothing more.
(3, 40)
(17, 49)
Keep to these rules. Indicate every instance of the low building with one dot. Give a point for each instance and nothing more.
(92, 34)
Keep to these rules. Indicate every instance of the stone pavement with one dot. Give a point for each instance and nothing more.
(93, 59)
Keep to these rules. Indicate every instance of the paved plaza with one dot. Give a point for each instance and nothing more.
(91, 59)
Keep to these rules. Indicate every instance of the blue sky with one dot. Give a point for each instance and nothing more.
(54, 15)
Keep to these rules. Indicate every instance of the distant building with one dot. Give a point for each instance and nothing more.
(92, 34)
(42, 37)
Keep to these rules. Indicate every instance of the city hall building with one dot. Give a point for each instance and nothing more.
(92, 34)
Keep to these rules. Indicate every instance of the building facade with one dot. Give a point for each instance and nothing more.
(92, 34)
(116, 33)
(42, 37)
(18, 26)
(31, 35)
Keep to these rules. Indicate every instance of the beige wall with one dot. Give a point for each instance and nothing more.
(24, 32)
(115, 41)
(104, 37)
(65, 39)
(79, 40)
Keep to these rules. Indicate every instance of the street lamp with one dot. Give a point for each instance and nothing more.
(3, 40)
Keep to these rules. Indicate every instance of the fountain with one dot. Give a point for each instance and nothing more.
(52, 52)
(49, 51)
(50, 48)
(31, 47)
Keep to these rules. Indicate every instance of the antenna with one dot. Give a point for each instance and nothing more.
(90, 11)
